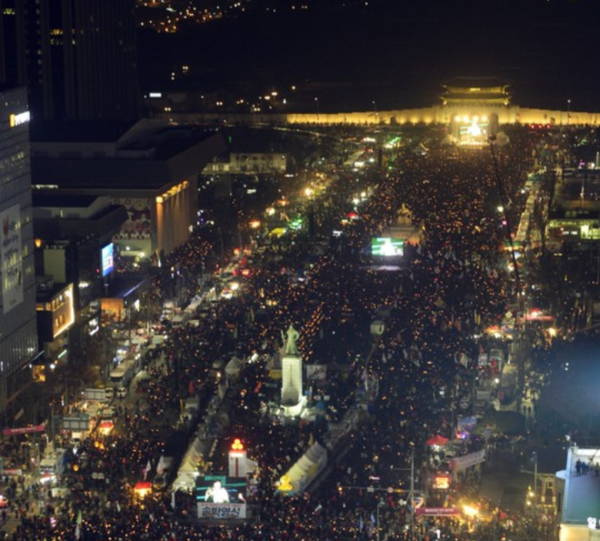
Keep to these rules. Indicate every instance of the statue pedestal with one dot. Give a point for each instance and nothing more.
(295, 410)
(292, 399)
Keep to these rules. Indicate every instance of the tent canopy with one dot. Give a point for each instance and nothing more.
(306, 468)
(437, 440)
(234, 366)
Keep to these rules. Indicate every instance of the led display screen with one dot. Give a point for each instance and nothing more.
(387, 247)
(108, 259)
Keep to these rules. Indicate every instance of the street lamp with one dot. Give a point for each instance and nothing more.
(535, 469)
(317, 107)
(380, 502)
(411, 493)
(568, 111)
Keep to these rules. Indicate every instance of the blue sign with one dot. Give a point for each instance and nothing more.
(108, 259)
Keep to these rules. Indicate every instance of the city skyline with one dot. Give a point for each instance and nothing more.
(394, 53)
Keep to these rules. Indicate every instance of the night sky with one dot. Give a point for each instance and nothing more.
(395, 52)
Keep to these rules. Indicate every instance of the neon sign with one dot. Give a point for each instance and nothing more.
(18, 119)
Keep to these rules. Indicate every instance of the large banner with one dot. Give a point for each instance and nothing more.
(437, 511)
(11, 258)
(221, 510)
(23, 430)
(466, 461)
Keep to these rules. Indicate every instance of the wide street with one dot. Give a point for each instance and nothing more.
(392, 351)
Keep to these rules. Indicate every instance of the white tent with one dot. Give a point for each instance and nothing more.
(184, 481)
(448, 140)
(193, 458)
(234, 367)
(420, 150)
(306, 468)
(190, 466)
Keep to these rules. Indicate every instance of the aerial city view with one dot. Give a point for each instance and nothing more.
(299, 270)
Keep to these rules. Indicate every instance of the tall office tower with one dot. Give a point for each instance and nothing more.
(18, 328)
(12, 44)
(82, 59)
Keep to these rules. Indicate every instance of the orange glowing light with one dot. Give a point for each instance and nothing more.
(237, 445)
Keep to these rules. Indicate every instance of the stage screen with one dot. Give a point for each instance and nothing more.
(474, 132)
(221, 489)
(387, 247)
(221, 497)
(108, 259)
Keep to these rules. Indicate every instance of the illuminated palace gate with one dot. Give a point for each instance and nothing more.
(472, 107)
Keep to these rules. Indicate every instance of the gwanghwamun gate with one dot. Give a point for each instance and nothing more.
(474, 108)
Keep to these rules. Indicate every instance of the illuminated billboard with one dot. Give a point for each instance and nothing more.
(221, 489)
(108, 259)
(387, 247)
(472, 131)
(63, 311)
(222, 497)
(441, 482)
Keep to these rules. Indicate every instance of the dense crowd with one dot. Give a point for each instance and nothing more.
(448, 286)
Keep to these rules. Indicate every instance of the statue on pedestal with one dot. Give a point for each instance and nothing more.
(289, 341)
(292, 397)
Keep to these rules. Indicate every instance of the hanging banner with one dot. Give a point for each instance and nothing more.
(11, 258)
(437, 511)
(221, 510)
(466, 461)
(13, 472)
(23, 430)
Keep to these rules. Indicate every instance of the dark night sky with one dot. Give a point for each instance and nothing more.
(399, 52)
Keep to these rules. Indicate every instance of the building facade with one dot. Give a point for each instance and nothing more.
(252, 163)
(18, 334)
(82, 59)
(152, 171)
(72, 234)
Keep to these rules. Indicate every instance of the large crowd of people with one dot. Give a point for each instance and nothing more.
(445, 289)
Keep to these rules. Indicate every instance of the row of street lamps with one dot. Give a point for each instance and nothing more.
(380, 502)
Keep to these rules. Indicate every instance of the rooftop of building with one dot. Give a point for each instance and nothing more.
(58, 216)
(46, 131)
(51, 292)
(155, 139)
(126, 285)
(150, 156)
(45, 199)
(574, 214)
(252, 140)
(582, 492)
(483, 84)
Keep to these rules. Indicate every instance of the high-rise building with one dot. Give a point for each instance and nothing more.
(18, 330)
(12, 44)
(82, 59)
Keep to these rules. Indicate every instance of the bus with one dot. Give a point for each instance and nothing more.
(123, 373)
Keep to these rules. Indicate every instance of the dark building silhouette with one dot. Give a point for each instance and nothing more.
(18, 334)
(12, 43)
(81, 59)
